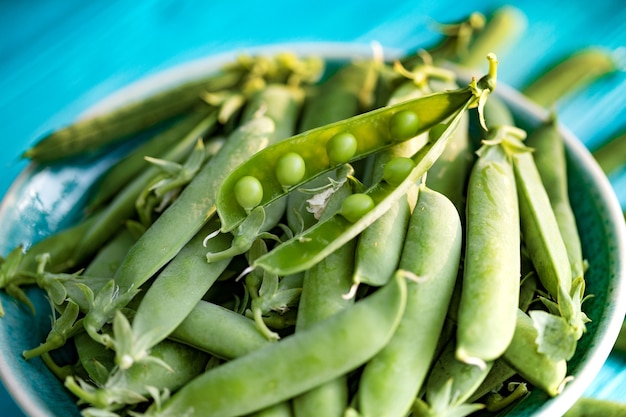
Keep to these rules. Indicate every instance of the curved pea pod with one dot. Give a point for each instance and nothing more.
(392, 379)
(370, 130)
(549, 155)
(315, 243)
(524, 357)
(295, 364)
(491, 270)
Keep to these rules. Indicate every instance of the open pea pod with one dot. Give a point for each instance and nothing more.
(314, 244)
(316, 151)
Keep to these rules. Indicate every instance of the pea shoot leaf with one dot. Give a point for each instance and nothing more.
(556, 338)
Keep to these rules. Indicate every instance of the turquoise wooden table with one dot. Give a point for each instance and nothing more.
(59, 57)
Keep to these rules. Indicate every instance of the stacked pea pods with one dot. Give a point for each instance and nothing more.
(291, 230)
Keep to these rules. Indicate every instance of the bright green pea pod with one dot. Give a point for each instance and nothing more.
(219, 331)
(542, 237)
(524, 357)
(322, 296)
(315, 243)
(549, 155)
(297, 363)
(392, 379)
(596, 407)
(173, 294)
(372, 131)
(491, 271)
(193, 208)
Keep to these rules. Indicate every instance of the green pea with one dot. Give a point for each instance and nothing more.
(355, 206)
(290, 169)
(248, 192)
(403, 125)
(397, 169)
(436, 131)
(341, 148)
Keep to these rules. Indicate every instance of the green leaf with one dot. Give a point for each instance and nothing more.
(556, 338)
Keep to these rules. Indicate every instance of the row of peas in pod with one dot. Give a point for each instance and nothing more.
(295, 242)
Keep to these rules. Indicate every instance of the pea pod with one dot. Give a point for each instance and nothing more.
(337, 98)
(491, 271)
(309, 247)
(178, 224)
(372, 131)
(323, 288)
(172, 296)
(392, 379)
(221, 332)
(549, 155)
(296, 364)
(96, 131)
(540, 228)
(449, 385)
(524, 357)
(569, 74)
(132, 164)
(380, 245)
(596, 407)
(122, 207)
(118, 389)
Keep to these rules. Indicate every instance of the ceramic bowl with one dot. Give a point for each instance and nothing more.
(43, 200)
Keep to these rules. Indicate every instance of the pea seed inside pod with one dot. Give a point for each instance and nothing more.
(356, 206)
(436, 131)
(290, 169)
(341, 147)
(397, 169)
(403, 125)
(248, 192)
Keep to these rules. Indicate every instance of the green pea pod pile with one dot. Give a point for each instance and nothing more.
(369, 239)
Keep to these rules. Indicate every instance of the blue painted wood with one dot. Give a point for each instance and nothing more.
(59, 57)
